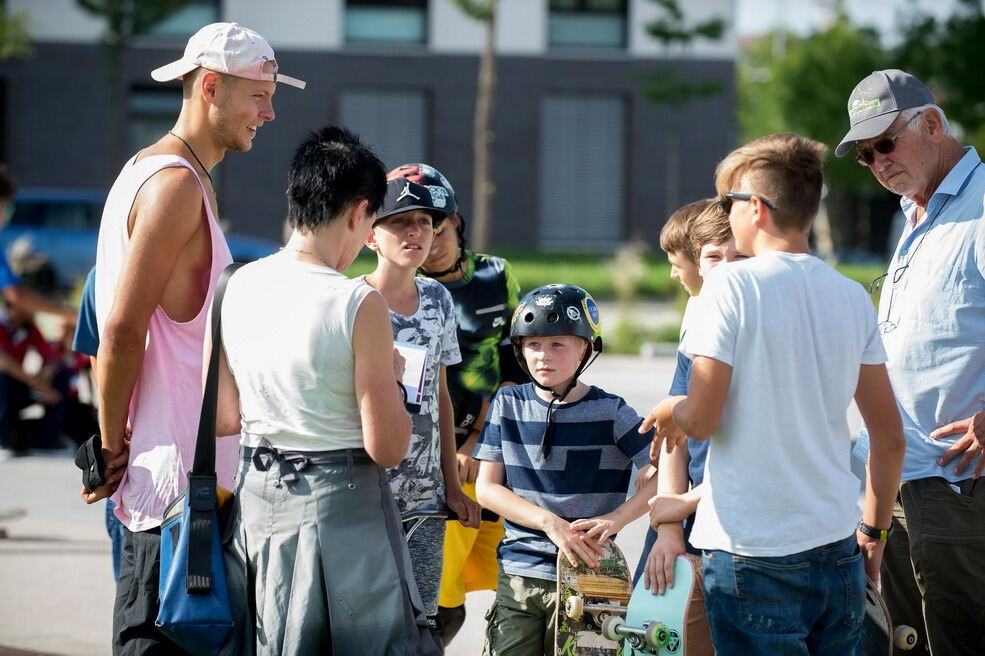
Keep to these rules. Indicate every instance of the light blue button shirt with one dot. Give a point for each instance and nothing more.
(932, 314)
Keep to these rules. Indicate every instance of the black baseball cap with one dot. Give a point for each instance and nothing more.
(402, 195)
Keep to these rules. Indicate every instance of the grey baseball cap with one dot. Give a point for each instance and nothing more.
(877, 101)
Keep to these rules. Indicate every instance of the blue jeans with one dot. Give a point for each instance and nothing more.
(811, 602)
(114, 527)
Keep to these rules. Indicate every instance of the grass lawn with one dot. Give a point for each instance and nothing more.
(596, 273)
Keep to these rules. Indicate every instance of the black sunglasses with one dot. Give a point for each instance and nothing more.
(729, 196)
(866, 156)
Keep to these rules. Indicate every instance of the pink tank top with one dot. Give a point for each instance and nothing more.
(167, 397)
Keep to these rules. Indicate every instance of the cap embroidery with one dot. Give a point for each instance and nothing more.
(405, 193)
(859, 105)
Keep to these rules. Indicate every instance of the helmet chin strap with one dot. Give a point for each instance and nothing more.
(547, 439)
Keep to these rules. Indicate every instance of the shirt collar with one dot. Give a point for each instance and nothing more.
(951, 185)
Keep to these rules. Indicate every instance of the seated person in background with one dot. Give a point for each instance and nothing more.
(20, 389)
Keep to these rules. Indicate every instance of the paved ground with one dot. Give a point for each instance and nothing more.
(55, 570)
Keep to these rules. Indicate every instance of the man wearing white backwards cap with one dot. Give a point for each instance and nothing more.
(159, 255)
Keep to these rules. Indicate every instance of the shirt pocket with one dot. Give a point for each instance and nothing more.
(581, 468)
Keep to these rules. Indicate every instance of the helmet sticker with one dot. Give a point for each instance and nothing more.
(544, 300)
(592, 311)
(573, 313)
(439, 195)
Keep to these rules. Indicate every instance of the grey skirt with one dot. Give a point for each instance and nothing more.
(326, 557)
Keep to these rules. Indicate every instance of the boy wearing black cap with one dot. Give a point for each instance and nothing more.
(485, 293)
(554, 452)
(424, 330)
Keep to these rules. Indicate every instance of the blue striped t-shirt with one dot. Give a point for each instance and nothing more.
(587, 474)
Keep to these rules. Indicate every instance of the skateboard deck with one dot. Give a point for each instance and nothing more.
(585, 598)
(670, 623)
(878, 633)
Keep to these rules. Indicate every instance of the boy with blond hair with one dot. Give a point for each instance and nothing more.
(780, 343)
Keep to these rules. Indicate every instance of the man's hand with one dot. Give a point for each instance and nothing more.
(872, 550)
(116, 466)
(971, 444)
(468, 511)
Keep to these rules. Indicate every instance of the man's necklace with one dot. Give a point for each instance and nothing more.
(192, 151)
(314, 255)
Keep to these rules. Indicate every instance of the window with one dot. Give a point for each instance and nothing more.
(181, 22)
(587, 23)
(393, 123)
(582, 172)
(386, 21)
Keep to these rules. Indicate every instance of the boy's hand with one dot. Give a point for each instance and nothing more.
(468, 511)
(574, 545)
(872, 550)
(658, 573)
(468, 468)
(665, 430)
(645, 474)
(666, 508)
(116, 466)
(600, 528)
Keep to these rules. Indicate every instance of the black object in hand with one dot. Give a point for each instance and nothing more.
(89, 458)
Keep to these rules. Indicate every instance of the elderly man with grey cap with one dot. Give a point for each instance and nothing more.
(932, 319)
(159, 255)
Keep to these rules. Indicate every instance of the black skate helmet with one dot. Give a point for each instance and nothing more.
(444, 197)
(555, 310)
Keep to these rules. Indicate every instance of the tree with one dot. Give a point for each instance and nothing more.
(482, 132)
(946, 55)
(124, 20)
(667, 87)
(14, 38)
(803, 88)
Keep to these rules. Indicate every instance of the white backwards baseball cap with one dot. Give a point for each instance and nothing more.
(227, 48)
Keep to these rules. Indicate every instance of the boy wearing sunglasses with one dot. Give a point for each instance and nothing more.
(779, 345)
(931, 311)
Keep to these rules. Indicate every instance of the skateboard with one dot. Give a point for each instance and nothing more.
(878, 634)
(586, 598)
(671, 623)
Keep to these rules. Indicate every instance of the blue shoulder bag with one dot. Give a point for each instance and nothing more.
(195, 612)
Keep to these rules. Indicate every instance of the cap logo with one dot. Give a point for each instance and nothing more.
(439, 195)
(405, 193)
(544, 300)
(573, 313)
(860, 105)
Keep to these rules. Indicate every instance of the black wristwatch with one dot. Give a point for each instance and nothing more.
(873, 532)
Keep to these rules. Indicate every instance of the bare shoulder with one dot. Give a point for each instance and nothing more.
(172, 196)
(373, 310)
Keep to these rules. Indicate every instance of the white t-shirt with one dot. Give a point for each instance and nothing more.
(287, 333)
(795, 332)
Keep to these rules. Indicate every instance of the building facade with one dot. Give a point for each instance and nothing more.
(581, 160)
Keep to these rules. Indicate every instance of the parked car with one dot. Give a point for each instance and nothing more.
(51, 235)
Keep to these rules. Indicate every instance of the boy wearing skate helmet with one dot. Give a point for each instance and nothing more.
(553, 452)
(485, 293)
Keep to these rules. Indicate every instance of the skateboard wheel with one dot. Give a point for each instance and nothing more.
(610, 627)
(574, 607)
(657, 635)
(904, 637)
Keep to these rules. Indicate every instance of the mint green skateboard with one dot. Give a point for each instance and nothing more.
(664, 624)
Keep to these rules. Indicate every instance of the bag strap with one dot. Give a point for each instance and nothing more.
(201, 479)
